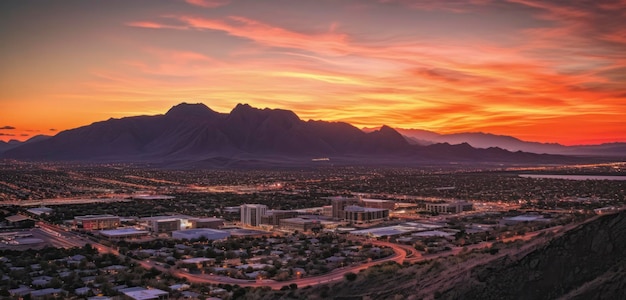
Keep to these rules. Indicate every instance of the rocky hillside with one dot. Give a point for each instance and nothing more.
(586, 263)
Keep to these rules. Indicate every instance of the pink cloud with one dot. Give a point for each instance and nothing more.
(208, 3)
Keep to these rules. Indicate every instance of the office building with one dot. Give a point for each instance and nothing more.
(338, 205)
(214, 223)
(251, 214)
(378, 203)
(97, 222)
(273, 216)
(299, 224)
(450, 207)
(358, 215)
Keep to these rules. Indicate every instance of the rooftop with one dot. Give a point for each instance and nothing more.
(299, 220)
(94, 217)
(377, 200)
(17, 218)
(122, 232)
(354, 208)
(146, 294)
(164, 218)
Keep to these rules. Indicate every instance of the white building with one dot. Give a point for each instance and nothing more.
(251, 214)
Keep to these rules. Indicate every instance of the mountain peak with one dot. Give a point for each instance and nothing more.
(187, 110)
(246, 111)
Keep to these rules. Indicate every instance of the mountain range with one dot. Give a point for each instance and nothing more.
(194, 135)
(487, 140)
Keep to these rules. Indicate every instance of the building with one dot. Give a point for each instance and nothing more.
(251, 214)
(378, 203)
(123, 233)
(358, 215)
(273, 217)
(97, 222)
(450, 207)
(299, 224)
(145, 294)
(214, 223)
(167, 224)
(194, 234)
(19, 221)
(327, 211)
(338, 205)
(40, 211)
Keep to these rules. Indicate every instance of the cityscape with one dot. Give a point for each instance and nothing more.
(157, 234)
(313, 150)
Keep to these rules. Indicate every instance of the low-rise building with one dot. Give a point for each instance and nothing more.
(273, 217)
(358, 215)
(299, 224)
(97, 222)
(214, 223)
(378, 203)
(450, 207)
(167, 224)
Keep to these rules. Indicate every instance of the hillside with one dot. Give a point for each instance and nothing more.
(586, 262)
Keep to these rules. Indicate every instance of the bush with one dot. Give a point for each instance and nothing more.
(350, 276)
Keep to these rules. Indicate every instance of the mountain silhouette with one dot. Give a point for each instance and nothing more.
(193, 134)
(488, 140)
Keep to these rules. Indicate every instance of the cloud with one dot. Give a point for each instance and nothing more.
(7, 128)
(208, 3)
(327, 42)
(562, 59)
(52, 129)
(154, 25)
(456, 6)
(6, 134)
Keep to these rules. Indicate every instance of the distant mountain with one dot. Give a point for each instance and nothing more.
(194, 135)
(487, 140)
(5, 146)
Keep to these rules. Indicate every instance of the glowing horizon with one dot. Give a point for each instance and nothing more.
(545, 71)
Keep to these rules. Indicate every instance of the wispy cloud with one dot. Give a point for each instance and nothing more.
(208, 3)
(7, 128)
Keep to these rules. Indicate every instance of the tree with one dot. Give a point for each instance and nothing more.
(350, 276)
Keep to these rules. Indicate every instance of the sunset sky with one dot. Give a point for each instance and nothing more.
(548, 71)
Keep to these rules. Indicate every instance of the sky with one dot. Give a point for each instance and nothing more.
(539, 70)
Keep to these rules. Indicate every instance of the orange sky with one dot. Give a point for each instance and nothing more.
(548, 71)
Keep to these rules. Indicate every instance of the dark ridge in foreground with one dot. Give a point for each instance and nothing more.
(194, 136)
(585, 263)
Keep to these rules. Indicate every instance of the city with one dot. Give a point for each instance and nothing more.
(283, 230)
(313, 150)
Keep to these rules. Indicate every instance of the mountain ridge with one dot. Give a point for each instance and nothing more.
(195, 133)
(486, 140)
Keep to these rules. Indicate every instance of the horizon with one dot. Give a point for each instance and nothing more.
(540, 71)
